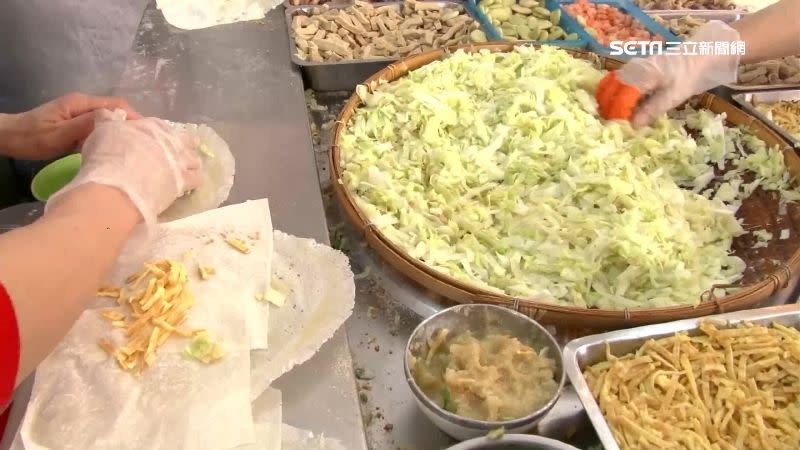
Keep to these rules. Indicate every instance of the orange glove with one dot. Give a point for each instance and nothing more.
(616, 100)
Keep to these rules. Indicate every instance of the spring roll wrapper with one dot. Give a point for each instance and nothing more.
(267, 415)
(320, 296)
(298, 439)
(82, 400)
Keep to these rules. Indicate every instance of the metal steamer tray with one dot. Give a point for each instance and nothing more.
(344, 75)
(745, 100)
(705, 14)
(288, 3)
(761, 87)
(583, 352)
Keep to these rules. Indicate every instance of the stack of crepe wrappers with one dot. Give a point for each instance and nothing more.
(82, 399)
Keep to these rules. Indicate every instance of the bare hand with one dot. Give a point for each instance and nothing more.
(56, 127)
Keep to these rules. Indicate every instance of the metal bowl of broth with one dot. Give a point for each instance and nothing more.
(480, 320)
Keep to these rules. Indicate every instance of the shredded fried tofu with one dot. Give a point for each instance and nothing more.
(275, 297)
(726, 389)
(276, 294)
(106, 346)
(110, 292)
(158, 300)
(205, 272)
(238, 244)
(112, 315)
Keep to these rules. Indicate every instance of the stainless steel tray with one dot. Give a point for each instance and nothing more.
(288, 4)
(705, 14)
(588, 350)
(726, 16)
(342, 75)
(745, 100)
(761, 87)
(695, 11)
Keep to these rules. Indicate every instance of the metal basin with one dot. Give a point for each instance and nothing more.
(480, 319)
(513, 442)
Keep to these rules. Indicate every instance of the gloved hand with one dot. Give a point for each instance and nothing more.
(146, 159)
(663, 82)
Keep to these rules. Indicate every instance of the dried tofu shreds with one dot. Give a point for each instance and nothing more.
(206, 272)
(204, 349)
(735, 388)
(110, 292)
(158, 300)
(238, 244)
(112, 315)
(106, 346)
(276, 294)
(275, 297)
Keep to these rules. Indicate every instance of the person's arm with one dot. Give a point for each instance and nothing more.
(773, 32)
(130, 172)
(52, 267)
(55, 127)
(646, 88)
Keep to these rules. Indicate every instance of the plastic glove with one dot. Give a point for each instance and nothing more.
(665, 81)
(146, 159)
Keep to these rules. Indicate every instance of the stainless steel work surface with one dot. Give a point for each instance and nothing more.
(238, 79)
(52, 47)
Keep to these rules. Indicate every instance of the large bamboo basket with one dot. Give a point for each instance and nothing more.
(762, 278)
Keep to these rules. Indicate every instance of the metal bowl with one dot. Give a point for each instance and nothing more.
(513, 442)
(479, 319)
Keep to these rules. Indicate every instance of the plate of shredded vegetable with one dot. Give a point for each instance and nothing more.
(491, 173)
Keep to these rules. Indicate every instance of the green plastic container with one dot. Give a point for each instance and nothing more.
(55, 176)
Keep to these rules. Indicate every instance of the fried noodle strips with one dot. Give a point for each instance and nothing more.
(725, 389)
(157, 301)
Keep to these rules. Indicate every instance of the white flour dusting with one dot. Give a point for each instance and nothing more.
(193, 15)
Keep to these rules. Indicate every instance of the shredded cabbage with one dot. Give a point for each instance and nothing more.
(203, 349)
(495, 169)
(762, 238)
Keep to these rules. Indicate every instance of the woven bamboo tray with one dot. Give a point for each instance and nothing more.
(769, 269)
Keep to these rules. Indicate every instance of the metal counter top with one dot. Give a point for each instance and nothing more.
(238, 79)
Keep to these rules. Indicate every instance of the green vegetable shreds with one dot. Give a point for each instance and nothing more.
(447, 401)
(494, 168)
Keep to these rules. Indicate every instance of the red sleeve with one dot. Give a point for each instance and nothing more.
(9, 355)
